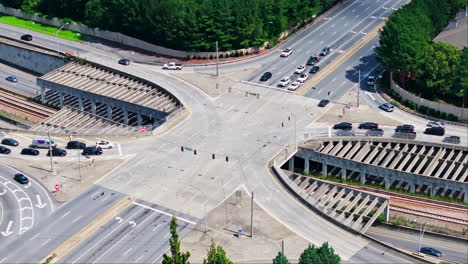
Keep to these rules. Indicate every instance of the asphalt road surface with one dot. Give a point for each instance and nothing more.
(26, 82)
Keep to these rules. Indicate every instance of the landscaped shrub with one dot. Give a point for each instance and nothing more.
(452, 117)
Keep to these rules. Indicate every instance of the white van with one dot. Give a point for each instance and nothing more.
(42, 142)
(387, 107)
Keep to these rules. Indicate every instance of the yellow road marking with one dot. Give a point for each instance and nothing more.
(88, 230)
(85, 140)
(410, 240)
(58, 139)
(19, 135)
(340, 60)
(5, 134)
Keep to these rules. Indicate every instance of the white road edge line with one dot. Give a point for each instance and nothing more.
(34, 236)
(164, 213)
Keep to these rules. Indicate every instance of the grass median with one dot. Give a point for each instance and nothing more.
(41, 28)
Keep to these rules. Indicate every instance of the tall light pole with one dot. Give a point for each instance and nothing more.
(217, 58)
(52, 168)
(422, 226)
(463, 104)
(359, 87)
(56, 37)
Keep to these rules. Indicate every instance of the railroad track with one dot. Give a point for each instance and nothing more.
(427, 214)
(24, 106)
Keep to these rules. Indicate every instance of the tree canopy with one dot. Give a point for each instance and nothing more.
(280, 259)
(216, 255)
(176, 257)
(321, 255)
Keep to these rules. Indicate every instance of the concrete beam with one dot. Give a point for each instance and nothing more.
(353, 150)
(362, 152)
(433, 165)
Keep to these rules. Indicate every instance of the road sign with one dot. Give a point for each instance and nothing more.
(143, 129)
(57, 186)
(189, 149)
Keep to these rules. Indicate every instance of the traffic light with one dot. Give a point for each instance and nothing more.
(182, 149)
(194, 152)
(213, 156)
(227, 158)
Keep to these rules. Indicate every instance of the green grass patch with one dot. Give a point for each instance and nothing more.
(41, 28)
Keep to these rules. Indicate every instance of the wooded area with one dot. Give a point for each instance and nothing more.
(433, 70)
(190, 25)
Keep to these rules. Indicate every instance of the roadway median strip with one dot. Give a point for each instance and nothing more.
(340, 60)
(88, 230)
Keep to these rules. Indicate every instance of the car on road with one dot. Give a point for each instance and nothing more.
(452, 140)
(69, 54)
(30, 151)
(124, 62)
(405, 134)
(300, 69)
(286, 52)
(345, 133)
(57, 152)
(21, 178)
(438, 131)
(343, 125)
(325, 51)
(431, 251)
(42, 142)
(76, 145)
(312, 60)
(303, 77)
(284, 82)
(374, 132)
(4, 150)
(105, 144)
(323, 102)
(370, 80)
(404, 128)
(95, 150)
(26, 37)
(368, 125)
(266, 76)
(387, 107)
(435, 124)
(11, 79)
(314, 69)
(172, 66)
(10, 142)
(293, 86)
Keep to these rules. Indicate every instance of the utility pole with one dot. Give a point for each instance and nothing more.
(206, 221)
(251, 215)
(282, 247)
(56, 38)
(359, 88)
(217, 58)
(52, 168)
(79, 164)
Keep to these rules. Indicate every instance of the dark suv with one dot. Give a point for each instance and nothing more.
(92, 151)
(438, 131)
(57, 152)
(26, 37)
(76, 145)
(265, 76)
(405, 128)
(9, 142)
(312, 60)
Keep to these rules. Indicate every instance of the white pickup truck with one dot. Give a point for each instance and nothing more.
(173, 66)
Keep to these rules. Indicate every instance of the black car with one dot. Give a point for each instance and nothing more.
(30, 151)
(9, 142)
(325, 51)
(57, 152)
(265, 76)
(314, 69)
(343, 125)
(431, 251)
(124, 61)
(21, 178)
(312, 60)
(438, 131)
(92, 151)
(374, 132)
(323, 102)
(26, 37)
(405, 128)
(452, 139)
(4, 150)
(368, 125)
(76, 145)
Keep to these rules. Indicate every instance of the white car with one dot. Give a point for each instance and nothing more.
(303, 77)
(300, 69)
(387, 107)
(435, 124)
(286, 52)
(294, 86)
(370, 80)
(285, 81)
(104, 144)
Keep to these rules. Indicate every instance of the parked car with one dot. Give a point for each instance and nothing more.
(325, 51)
(404, 128)
(76, 145)
(345, 133)
(105, 144)
(30, 151)
(124, 62)
(92, 151)
(284, 82)
(57, 152)
(343, 125)
(300, 69)
(286, 52)
(370, 80)
(405, 134)
(9, 142)
(314, 69)
(431, 251)
(368, 125)
(11, 79)
(266, 76)
(435, 124)
(4, 150)
(312, 60)
(438, 131)
(303, 77)
(293, 86)
(374, 132)
(21, 178)
(452, 140)
(323, 102)
(387, 107)
(26, 37)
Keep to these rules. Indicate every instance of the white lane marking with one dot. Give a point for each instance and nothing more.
(34, 237)
(166, 235)
(78, 218)
(120, 149)
(138, 258)
(132, 223)
(105, 198)
(204, 202)
(334, 79)
(156, 227)
(39, 202)
(27, 185)
(22, 208)
(1, 213)
(321, 42)
(7, 232)
(65, 214)
(118, 219)
(343, 83)
(1, 261)
(370, 95)
(164, 213)
(126, 252)
(112, 247)
(45, 242)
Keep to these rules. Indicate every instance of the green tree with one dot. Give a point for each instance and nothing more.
(321, 255)
(176, 257)
(216, 255)
(280, 259)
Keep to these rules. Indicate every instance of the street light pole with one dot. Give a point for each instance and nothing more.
(56, 38)
(217, 58)
(422, 227)
(359, 87)
(52, 168)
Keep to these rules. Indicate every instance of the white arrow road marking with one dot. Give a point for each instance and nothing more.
(4, 191)
(7, 231)
(39, 202)
(118, 219)
(132, 223)
(27, 185)
(370, 95)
